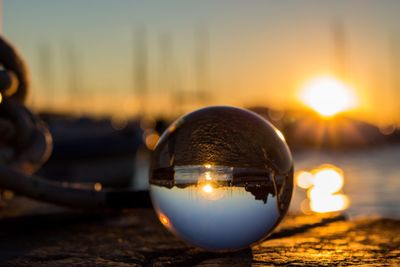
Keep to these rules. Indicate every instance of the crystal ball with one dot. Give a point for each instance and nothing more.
(221, 178)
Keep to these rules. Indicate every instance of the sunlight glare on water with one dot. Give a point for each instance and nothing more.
(371, 179)
(323, 186)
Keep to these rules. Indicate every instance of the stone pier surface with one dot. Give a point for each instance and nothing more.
(38, 234)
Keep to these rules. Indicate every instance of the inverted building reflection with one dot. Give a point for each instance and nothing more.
(213, 182)
(210, 205)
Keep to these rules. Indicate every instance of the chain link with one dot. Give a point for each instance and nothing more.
(25, 142)
(13, 85)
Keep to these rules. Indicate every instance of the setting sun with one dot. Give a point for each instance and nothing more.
(328, 96)
(207, 188)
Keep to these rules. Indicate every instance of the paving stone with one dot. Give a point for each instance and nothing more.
(37, 234)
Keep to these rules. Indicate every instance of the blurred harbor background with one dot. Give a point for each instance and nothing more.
(109, 77)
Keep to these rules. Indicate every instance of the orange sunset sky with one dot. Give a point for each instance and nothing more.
(86, 56)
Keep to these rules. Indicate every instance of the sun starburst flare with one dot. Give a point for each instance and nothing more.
(328, 96)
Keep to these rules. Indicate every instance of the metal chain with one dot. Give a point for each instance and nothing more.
(25, 142)
(14, 79)
(13, 85)
(7, 133)
(8, 81)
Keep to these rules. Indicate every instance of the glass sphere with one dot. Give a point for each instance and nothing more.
(221, 178)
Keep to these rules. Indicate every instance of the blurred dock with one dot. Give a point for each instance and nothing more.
(38, 234)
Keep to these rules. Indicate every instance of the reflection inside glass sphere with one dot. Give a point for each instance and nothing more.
(221, 178)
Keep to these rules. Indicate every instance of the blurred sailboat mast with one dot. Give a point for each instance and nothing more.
(168, 78)
(74, 83)
(140, 69)
(394, 58)
(202, 65)
(45, 68)
(1, 16)
(340, 49)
